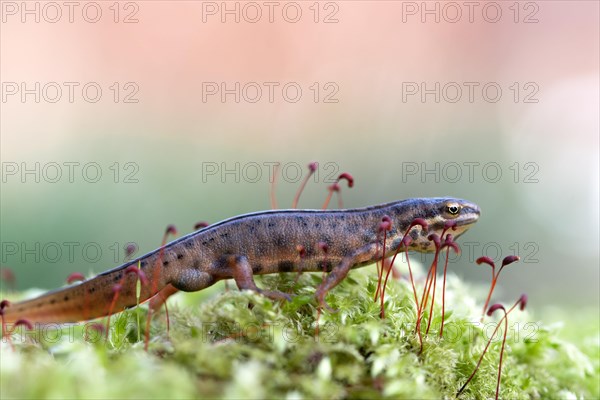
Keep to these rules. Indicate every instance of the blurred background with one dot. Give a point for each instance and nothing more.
(120, 118)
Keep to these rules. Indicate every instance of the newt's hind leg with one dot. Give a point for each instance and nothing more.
(242, 274)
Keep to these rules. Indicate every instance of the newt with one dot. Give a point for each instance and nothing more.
(241, 247)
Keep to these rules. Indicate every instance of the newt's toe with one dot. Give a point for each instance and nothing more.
(276, 295)
(323, 304)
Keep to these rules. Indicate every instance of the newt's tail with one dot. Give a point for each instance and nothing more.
(90, 299)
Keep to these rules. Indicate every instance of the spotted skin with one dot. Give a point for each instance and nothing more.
(254, 244)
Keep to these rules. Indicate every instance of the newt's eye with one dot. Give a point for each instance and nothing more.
(453, 208)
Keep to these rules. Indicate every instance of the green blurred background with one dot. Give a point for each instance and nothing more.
(156, 154)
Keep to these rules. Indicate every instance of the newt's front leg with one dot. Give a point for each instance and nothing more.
(161, 297)
(338, 273)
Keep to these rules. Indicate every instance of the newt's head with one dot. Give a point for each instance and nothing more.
(454, 215)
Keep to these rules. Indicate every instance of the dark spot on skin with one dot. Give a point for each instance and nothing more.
(279, 241)
(257, 268)
(285, 266)
(165, 263)
(438, 226)
(66, 298)
(52, 301)
(204, 243)
(317, 224)
(179, 256)
(271, 224)
(224, 235)
(212, 239)
(326, 266)
(221, 263)
(143, 264)
(189, 244)
(117, 277)
(334, 226)
(429, 212)
(302, 221)
(196, 264)
(310, 250)
(39, 305)
(91, 290)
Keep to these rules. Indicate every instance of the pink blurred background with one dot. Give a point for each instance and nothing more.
(365, 61)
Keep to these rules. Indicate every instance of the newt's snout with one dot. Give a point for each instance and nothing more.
(462, 212)
(440, 213)
(469, 214)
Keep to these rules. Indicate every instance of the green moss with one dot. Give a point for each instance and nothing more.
(242, 345)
